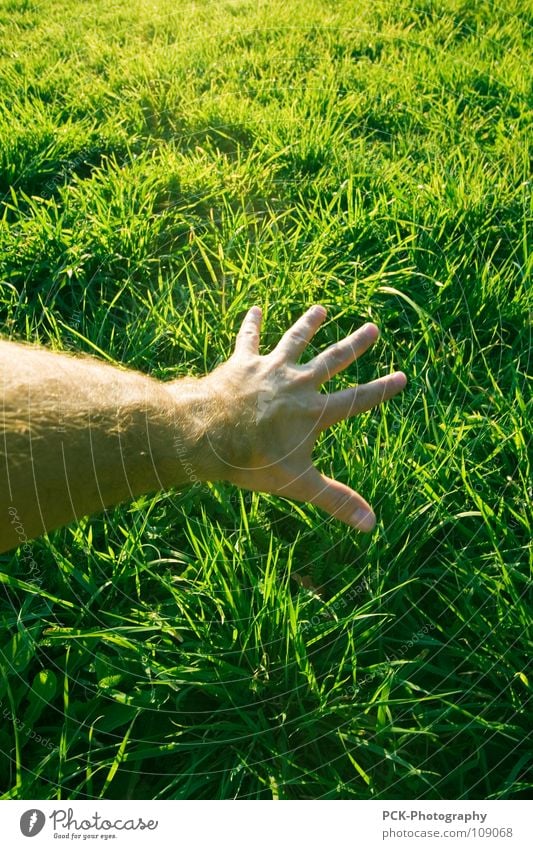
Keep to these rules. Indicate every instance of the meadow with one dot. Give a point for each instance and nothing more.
(163, 167)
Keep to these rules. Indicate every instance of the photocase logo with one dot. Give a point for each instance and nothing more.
(32, 822)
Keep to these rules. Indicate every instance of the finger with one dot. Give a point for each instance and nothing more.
(359, 399)
(337, 499)
(296, 339)
(339, 356)
(247, 341)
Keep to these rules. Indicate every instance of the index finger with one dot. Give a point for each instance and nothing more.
(350, 402)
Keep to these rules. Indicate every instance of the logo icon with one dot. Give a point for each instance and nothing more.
(32, 822)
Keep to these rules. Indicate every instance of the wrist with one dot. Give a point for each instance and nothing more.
(219, 439)
(196, 443)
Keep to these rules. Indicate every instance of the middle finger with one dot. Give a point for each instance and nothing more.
(339, 356)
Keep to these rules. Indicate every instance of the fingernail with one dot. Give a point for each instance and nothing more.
(400, 377)
(370, 326)
(363, 520)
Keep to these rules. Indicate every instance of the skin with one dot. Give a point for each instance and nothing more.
(81, 435)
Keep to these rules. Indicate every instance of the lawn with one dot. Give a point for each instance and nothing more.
(163, 167)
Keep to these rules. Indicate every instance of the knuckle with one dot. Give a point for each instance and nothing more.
(338, 352)
(339, 502)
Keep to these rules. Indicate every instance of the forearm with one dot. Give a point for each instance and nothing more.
(80, 435)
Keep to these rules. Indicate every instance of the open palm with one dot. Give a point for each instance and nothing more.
(277, 412)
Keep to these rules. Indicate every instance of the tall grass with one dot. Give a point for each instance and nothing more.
(163, 167)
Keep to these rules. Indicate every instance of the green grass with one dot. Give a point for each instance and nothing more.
(162, 168)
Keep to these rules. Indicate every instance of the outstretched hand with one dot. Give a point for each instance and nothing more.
(274, 412)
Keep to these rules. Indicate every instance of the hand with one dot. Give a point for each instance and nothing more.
(272, 413)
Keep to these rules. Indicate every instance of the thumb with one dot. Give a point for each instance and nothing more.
(337, 499)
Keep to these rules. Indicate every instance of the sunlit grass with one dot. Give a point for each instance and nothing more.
(163, 168)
